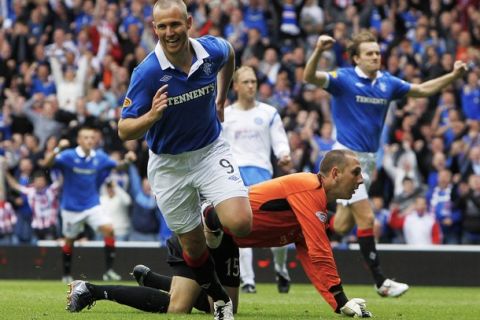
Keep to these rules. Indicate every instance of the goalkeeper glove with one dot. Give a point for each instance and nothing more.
(356, 307)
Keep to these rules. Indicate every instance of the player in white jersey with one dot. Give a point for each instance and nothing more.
(360, 100)
(253, 129)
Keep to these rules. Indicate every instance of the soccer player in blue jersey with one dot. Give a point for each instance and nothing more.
(82, 169)
(176, 98)
(360, 100)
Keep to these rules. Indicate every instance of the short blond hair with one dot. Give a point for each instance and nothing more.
(240, 70)
(164, 4)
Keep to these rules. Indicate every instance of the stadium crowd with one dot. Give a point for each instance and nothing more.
(67, 64)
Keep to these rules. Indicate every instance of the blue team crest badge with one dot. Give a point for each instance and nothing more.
(322, 216)
(258, 121)
(207, 68)
(382, 86)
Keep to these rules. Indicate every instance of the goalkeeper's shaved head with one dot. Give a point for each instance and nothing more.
(335, 158)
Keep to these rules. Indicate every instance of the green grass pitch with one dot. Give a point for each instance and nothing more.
(36, 300)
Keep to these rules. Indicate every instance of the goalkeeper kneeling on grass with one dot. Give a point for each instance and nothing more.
(289, 209)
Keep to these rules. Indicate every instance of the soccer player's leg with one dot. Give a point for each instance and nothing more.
(72, 226)
(100, 221)
(222, 184)
(343, 220)
(184, 293)
(198, 258)
(148, 278)
(247, 275)
(281, 271)
(84, 294)
(212, 227)
(364, 217)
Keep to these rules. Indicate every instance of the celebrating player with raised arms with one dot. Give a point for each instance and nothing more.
(360, 100)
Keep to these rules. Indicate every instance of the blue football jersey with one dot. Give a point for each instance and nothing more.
(359, 106)
(190, 121)
(80, 177)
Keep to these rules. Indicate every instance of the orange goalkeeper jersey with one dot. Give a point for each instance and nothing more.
(293, 209)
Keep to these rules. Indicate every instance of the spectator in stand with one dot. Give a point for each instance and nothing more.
(43, 116)
(145, 217)
(420, 227)
(42, 198)
(400, 164)
(255, 46)
(59, 48)
(23, 227)
(116, 202)
(441, 200)
(324, 141)
(38, 80)
(70, 83)
(8, 220)
(381, 229)
(469, 205)
(472, 165)
(270, 65)
(470, 97)
(255, 16)
(288, 23)
(236, 33)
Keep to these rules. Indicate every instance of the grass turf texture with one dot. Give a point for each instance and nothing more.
(47, 299)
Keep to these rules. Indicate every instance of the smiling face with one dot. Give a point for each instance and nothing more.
(368, 58)
(171, 24)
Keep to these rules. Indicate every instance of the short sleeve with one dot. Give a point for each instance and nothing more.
(400, 88)
(138, 99)
(335, 82)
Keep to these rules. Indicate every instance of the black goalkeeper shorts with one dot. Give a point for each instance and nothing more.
(226, 259)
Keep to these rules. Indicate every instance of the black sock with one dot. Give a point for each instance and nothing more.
(370, 255)
(157, 281)
(142, 298)
(67, 259)
(204, 270)
(109, 252)
(202, 302)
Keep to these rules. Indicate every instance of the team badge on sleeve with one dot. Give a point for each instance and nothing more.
(127, 102)
(333, 73)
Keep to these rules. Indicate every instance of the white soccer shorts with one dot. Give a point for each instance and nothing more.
(73, 222)
(367, 163)
(178, 180)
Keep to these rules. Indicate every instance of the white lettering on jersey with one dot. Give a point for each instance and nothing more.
(363, 99)
(195, 94)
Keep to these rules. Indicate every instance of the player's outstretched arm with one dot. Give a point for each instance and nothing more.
(433, 86)
(134, 128)
(311, 75)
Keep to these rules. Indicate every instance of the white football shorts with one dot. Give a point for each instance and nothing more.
(74, 222)
(178, 180)
(367, 163)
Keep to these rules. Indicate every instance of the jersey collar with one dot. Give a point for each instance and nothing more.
(200, 53)
(82, 154)
(362, 74)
